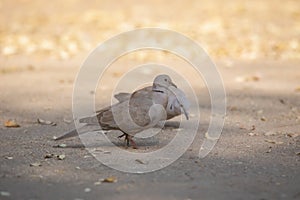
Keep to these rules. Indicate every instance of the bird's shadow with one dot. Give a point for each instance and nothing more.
(115, 141)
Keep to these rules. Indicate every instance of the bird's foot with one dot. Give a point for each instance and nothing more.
(128, 140)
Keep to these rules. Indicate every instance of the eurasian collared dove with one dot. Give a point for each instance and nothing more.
(138, 111)
(177, 102)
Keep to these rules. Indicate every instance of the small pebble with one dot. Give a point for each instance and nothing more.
(87, 190)
(4, 193)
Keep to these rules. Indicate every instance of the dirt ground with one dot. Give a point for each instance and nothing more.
(256, 50)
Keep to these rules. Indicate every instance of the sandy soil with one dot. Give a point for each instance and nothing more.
(257, 156)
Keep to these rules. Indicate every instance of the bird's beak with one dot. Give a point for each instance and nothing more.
(173, 84)
(185, 113)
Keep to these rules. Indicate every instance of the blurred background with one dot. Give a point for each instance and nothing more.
(38, 33)
(255, 44)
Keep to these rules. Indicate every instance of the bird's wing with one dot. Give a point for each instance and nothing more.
(177, 103)
(122, 96)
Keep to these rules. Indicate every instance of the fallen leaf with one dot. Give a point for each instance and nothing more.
(273, 141)
(45, 122)
(35, 164)
(139, 161)
(61, 157)
(252, 134)
(111, 179)
(49, 155)
(292, 135)
(11, 124)
(269, 151)
(248, 78)
(61, 145)
(263, 119)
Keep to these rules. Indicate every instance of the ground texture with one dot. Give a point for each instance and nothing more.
(256, 48)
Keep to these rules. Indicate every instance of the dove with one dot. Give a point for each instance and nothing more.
(177, 102)
(139, 111)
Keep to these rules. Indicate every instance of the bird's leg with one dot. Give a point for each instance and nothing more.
(129, 138)
(124, 134)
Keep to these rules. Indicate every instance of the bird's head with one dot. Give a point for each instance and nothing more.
(163, 80)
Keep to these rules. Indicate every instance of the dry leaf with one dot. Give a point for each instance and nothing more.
(49, 155)
(111, 179)
(139, 161)
(263, 119)
(249, 78)
(252, 134)
(292, 135)
(45, 122)
(11, 124)
(273, 141)
(61, 146)
(36, 164)
(61, 157)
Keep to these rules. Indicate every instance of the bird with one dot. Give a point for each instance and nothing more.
(177, 101)
(141, 110)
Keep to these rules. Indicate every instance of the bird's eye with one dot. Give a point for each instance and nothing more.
(165, 79)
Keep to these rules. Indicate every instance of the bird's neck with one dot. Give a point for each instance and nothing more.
(158, 88)
(160, 95)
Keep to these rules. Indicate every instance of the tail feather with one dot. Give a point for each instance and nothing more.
(68, 134)
(82, 130)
